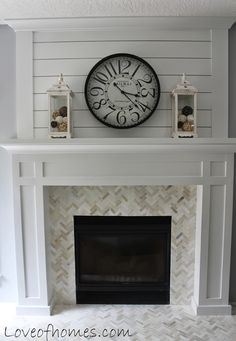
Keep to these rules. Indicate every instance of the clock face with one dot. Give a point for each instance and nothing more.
(122, 90)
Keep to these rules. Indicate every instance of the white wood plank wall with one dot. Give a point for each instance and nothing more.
(169, 52)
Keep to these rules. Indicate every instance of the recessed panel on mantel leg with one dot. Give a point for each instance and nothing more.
(216, 235)
(30, 242)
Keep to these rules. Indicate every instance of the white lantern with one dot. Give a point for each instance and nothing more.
(184, 110)
(59, 109)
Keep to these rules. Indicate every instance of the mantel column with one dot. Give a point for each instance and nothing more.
(30, 239)
(213, 239)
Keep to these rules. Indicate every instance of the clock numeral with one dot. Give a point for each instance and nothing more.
(112, 70)
(96, 90)
(101, 77)
(97, 105)
(123, 66)
(109, 113)
(121, 118)
(147, 79)
(145, 92)
(135, 70)
(142, 106)
(135, 116)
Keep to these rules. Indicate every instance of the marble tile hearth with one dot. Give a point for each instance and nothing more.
(143, 323)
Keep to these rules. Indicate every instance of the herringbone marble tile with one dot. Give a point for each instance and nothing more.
(144, 323)
(176, 201)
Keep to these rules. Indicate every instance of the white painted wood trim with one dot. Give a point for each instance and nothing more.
(141, 165)
(217, 231)
(35, 310)
(41, 239)
(228, 230)
(114, 145)
(22, 218)
(47, 233)
(202, 310)
(201, 243)
(78, 35)
(19, 251)
(219, 83)
(120, 23)
(211, 280)
(24, 84)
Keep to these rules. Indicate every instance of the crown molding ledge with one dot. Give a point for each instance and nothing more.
(119, 23)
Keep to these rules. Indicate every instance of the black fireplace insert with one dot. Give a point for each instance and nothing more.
(124, 260)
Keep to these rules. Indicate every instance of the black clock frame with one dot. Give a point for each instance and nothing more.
(116, 55)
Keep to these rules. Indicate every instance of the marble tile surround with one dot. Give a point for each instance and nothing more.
(177, 201)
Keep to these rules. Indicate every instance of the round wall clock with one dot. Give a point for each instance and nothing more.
(122, 90)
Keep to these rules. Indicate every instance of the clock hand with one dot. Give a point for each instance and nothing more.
(125, 92)
(129, 93)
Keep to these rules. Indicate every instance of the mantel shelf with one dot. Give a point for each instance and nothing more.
(120, 145)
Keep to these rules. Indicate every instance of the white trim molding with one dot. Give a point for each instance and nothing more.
(120, 23)
(219, 50)
(22, 310)
(25, 146)
(208, 163)
(24, 84)
(211, 310)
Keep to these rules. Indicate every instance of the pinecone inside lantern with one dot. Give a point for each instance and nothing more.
(186, 119)
(59, 119)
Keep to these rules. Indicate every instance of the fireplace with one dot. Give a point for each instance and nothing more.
(122, 259)
(209, 164)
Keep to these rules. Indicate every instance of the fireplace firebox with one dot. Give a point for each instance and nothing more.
(122, 260)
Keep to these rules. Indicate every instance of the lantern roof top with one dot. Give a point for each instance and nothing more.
(61, 86)
(184, 87)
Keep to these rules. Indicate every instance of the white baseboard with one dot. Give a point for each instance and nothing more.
(211, 309)
(33, 310)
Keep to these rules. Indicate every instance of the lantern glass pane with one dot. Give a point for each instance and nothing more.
(58, 113)
(57, 102)
(186, 113)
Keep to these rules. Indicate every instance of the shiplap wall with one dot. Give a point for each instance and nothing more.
(170, 53)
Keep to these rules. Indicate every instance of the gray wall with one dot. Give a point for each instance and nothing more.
(232, 133)
(7, 83)
(232, 81)
(7, 130)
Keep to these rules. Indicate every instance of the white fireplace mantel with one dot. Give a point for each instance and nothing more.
(119, 144)
(207, 163)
